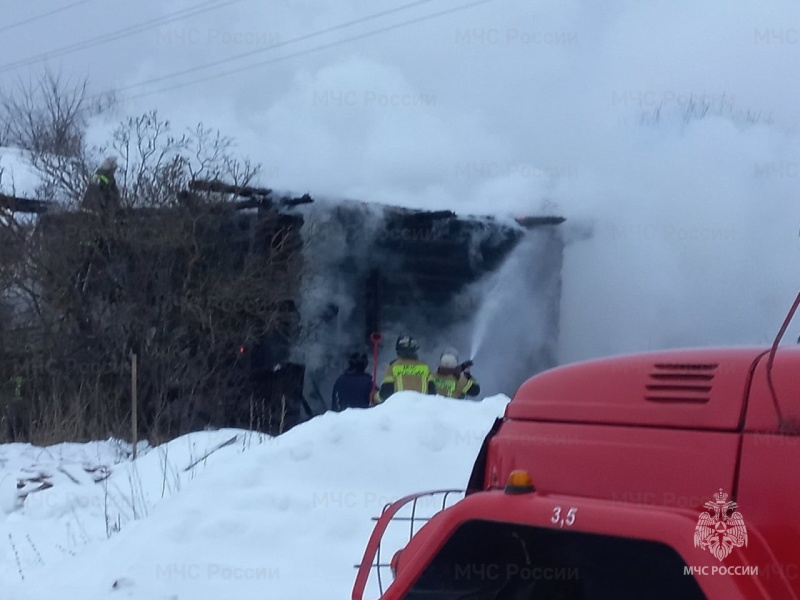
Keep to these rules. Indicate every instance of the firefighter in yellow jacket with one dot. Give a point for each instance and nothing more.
(406, 372)
(454, 380)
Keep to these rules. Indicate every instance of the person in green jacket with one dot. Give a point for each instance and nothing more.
(15, 409)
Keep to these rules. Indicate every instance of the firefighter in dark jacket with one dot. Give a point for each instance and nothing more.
(353, 388)
(102, 195)
(15, 410)
(406, 372)
(454, 380)
(102, 201)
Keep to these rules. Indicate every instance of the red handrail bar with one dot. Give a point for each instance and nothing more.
(373, 545)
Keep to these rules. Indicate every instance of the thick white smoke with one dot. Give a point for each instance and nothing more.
(695, 239)
(668, 128)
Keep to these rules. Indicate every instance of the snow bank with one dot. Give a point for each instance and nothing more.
(260, 517)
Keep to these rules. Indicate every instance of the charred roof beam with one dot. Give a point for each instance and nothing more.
(529, 222)
(257, 197)
(24, 205)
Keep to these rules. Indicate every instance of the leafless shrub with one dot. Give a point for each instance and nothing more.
(47, 117)
(696, 108)
(181, 279)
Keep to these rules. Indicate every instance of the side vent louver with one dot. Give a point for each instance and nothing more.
(683, 383)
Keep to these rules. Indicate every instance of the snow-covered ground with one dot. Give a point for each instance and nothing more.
(260, 517)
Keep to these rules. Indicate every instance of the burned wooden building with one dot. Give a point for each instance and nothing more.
(242, 310)
(446, 280)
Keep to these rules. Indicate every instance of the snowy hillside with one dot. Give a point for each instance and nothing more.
(260, 517)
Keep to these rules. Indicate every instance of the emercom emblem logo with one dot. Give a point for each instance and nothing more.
(722, 528)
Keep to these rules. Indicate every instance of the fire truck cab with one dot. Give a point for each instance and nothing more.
(663, 475)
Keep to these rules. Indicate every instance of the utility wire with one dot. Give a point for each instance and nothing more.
(294, 54)
(44, 15)
(105, 38)
(272, 47)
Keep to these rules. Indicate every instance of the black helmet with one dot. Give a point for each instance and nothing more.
(406, 346)
(357, 361)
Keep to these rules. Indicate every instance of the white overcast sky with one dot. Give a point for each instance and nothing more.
(508, 106)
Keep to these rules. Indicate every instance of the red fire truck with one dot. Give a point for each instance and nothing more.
(667, 475)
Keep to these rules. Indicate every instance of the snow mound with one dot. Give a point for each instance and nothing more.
(228, 514)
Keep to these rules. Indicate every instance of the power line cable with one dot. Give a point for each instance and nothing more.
(178, 15)
(272, 47)
(288, 56)
(44, 15)
(311, 50)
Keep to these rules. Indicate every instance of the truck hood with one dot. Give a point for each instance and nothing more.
(695, 389)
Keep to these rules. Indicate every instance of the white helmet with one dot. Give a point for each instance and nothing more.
(449, 359)
(109, 164)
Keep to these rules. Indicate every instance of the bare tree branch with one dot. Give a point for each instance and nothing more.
(181, 278)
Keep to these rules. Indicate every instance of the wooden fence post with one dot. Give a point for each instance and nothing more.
(134, 402)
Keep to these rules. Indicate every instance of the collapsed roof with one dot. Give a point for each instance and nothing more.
(372, 269)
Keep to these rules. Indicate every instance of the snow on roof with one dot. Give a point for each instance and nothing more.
(17, 178)
(255, 517)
